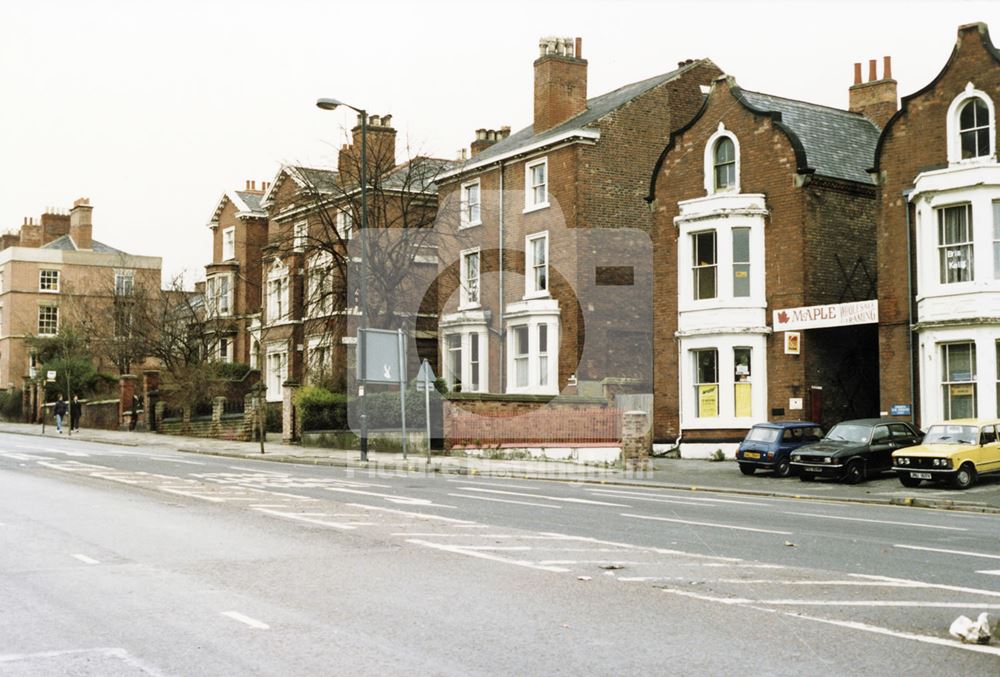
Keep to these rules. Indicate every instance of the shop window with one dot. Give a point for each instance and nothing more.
(955, 246)
(704, 264)
(958, 380)
(706, 380)
(741, 262)
(741, 382)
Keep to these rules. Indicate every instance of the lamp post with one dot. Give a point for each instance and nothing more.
(332, 104)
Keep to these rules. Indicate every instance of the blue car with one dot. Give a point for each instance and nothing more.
(768, 445)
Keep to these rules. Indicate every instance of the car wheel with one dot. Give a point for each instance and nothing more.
(908, 481)
(965, 477)
(747, 469)
(855, 472)
(782, 468)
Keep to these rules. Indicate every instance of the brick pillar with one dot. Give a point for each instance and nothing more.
(289, 423)
(635, 440)
(160, 408)
(126, 391)
(218, 406)
(150, 391)
(186, 419)
(27, 390)
(249, 418)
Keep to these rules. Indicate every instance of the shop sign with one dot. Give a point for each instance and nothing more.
(830, 315)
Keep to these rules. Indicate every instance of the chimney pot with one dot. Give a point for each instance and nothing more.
(857, 73)
(386, 120)
(872, 76)
(579, 48)
(887, 68)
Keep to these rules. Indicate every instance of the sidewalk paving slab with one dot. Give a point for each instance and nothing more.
(675, 474)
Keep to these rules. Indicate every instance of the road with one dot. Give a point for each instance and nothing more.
(123, 561)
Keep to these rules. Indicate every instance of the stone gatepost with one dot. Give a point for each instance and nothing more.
(161, 407)
(27, 391)
(150, 392)
(126, 393)
(289, 422)
(636, 440)
(218, 406)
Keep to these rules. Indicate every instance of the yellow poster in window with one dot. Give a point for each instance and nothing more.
(743, 399)
(962, 391)
(708, 401)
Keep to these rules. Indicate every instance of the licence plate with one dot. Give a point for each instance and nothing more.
(921, 475)
(751, 454)
(809, 468)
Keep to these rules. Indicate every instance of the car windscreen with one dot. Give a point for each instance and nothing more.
(952, 434)
(763, 435)
(850, 432)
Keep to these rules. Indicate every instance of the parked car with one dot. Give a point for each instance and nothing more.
(854, 450)
(768, 446)
(958, 451)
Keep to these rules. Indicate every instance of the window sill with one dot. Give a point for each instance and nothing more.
(469, 306)
(473, 224)
(48, 291)
(528, 296)
(535, 208)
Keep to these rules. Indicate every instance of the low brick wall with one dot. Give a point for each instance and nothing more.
(102, 415)
(504, 420)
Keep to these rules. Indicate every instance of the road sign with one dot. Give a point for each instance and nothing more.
(50, 375)
(382, 356)
(900, 410)
(425, 377)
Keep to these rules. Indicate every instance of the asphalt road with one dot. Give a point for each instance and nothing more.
(120, 561)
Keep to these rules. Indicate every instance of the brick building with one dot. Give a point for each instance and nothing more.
(544, 284)
(52, 269)
(763, 204)
(309, 272)
(233, 279)
(939, 241)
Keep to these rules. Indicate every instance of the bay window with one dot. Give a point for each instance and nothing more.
(958, 380)
(704, 264)
(706, 382)
(955, 244)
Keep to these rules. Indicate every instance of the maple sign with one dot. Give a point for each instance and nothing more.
(830, 315)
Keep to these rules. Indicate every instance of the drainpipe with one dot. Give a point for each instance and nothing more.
(502, 308)
(909, 300)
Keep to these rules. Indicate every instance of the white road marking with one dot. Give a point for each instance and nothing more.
(120, 654)
(988, 572)
(493, 547)
(252, 622)
(770, 581)
(671, 497)
(85, 559)
(947, 552)
(876, 603)
(414, 514)
(507, 500)
(729, 601)
(927, 639)
(922, 584)
(174, 460)
(861, 519)
(719, 561)
(393, 498)
(310, 518)
(547, 498)
(522, 487)
(458, 550)
(707, 524)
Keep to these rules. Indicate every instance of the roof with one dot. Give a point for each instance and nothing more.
(418, 175)
(597, 108)
(786, 424)
(65, 243)
(836, 143)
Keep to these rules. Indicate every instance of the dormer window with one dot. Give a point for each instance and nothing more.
(974, 129)
(725, 164)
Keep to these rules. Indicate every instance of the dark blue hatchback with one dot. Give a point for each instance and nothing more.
(767, 446)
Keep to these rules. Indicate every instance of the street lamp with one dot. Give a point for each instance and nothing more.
(332, 104)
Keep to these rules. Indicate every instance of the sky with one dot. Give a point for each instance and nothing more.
(154, 109)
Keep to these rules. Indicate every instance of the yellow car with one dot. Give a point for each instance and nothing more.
(958, 451)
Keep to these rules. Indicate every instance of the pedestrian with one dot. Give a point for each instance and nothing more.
(75, 409)
(59, 410)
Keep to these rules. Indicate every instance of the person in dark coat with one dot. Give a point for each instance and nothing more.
(75, 409)
(59, 410)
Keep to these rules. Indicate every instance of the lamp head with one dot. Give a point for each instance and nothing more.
(328, 104)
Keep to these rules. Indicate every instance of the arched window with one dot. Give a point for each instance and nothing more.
(724, 163)
(974, 129)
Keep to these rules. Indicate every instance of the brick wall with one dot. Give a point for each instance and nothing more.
(499, 420)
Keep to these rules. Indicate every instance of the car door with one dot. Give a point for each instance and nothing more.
(880, 450)
(989, 453)
(903, 436)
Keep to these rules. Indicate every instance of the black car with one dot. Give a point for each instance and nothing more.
(854, 450)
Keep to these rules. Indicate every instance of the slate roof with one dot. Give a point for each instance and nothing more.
(65, 243)
(597, 108)
(419, 174)
(837, 143)
(251, 200)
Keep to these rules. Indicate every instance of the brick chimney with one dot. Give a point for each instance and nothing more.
(486, 138)
(875, 99)
(381, 151)
(80, 225)
(31, 233)
(560, 82)
(54, 225)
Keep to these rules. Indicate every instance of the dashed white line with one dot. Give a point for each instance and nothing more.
(252, 622)
(310, 518)
(988, 572)
(707, 524)
(507, 500)
(415, 514)
(967, 553)
(922, 584)
(862, 519)
(561, 499)
(85, 559)
(522, 487)
(877, 603)
(458, 550)
(671, 498)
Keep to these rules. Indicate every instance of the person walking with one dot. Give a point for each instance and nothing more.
(59, 410)
(75, 409)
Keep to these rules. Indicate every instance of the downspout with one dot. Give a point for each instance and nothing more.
(909, 300)
(502, 329)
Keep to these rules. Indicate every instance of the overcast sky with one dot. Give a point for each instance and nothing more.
(154, 109)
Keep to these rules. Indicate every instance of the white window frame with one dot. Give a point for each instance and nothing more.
(466, 300)
(944, 249)
(55, 316)
(225, 349)
(530, 203)
(953, 126)
(947, 385)
(54, 281)
(995, 204)
(534, 361)
(276, 363)
(531, 290)
(345, 224)
(697, 267)
(725, 346)
(319, 286)
(229, 243)
(300, 233)
(709, 162)
(319, 357)
(123, 279)
(471, 212)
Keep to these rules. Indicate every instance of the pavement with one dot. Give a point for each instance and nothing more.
(684, 474)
